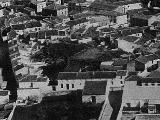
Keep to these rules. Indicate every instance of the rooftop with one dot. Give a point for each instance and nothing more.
(132, 91)
(147, 58)
(86, 75)
(130, 38)
(109, 13)
(155, 73)
(33, 78)
(95, 88)
(120, 62)
(103, 6)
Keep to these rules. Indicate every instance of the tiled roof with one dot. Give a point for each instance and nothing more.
(146, 58)
(147, 117)
(109, 13)
(12, 34)
(95, 88)
(155, 73)
(120, 62)
(85, 75)
(110, 29)
(133, 78)
(52, 6)
(18, 67)
(126, 2)
(121, 73)
(83, 15)
(60, 7)
(77, 21)
(32, 24)
(33, 78)
(15, 20)
(103, 6)
(130, 38)
(18, 27)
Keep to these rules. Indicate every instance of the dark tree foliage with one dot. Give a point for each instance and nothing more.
(154, 3)
(6, 65)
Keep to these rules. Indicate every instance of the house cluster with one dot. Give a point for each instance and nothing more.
(122, 53)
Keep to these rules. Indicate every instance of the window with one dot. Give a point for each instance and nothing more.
(72, 85)
(121, 82)
(152, 84)
(120, 77)
(146, 84)
(112, 82)
(67, 86)
(61, 85)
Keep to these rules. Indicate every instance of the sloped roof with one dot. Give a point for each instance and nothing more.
(18, 27)
(15, 20)
(155, 73)
(133, 78)
(120, 62)
(32, 24)
(147, 117)
(121, 73)
(77, 21)
(83, 15)
(130, 38)
(103, 6)
(109, 13)
(146, 58)
(33, 78)
(85, 75)
(95, 88)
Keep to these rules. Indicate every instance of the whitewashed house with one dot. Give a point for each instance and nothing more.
(75, 80)
(137, 92)
(94, 91)
(148, 60)
(39, 5)
(124, 6)
(62, 10)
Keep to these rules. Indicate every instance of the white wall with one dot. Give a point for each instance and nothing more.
(126, 46)
(132, 6)
(78, 84)
(121, 19)
(40, 6)
(62, 12)
(35, 84)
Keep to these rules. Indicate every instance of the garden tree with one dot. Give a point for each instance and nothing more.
(56, 56)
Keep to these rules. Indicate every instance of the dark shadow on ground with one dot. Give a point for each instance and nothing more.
(115, 100)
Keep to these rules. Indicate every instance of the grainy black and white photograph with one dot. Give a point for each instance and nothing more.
(79, 59)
